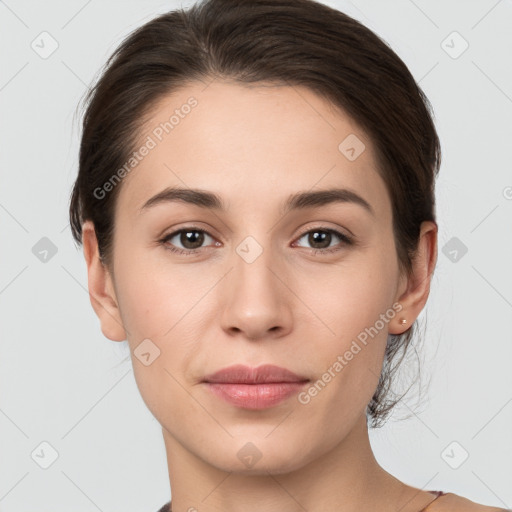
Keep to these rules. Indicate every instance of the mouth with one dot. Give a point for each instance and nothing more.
(254, 388)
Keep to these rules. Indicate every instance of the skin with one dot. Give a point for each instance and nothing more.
(289, 307)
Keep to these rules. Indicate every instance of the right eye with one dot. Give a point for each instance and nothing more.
(191, 239)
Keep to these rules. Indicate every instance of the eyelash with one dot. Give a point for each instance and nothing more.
(347, 240)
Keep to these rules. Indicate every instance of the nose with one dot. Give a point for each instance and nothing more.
(256, 298)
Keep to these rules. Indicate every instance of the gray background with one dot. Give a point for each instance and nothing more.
(63, 383)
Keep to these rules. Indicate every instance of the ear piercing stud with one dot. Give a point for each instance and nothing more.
(403, 321)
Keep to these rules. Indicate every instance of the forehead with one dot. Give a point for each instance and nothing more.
(251, 144)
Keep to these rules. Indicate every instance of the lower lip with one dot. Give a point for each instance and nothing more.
(255, 396)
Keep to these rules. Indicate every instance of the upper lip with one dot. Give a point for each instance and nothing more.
(242, 374)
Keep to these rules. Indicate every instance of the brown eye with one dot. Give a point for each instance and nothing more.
(186, 240)
(320, 240)
(191, 239)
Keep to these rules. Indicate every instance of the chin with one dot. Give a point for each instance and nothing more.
(253, 455)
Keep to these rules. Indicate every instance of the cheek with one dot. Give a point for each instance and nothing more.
(167, 306)
(157, 299)
(347, 298)
(161, 314)
(353, 306)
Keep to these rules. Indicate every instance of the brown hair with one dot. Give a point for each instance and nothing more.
(287, 42)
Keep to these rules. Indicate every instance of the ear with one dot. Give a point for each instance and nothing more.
(413, 292)
(101, 287)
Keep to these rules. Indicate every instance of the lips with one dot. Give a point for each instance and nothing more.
(254, 388)
(240, 374)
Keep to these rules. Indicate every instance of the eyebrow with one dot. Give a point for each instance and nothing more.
(297, 201)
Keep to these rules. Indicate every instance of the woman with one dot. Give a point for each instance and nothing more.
(255, 200)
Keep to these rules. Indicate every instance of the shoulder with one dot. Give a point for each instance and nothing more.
(451, 502)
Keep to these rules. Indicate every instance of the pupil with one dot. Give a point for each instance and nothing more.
(323, 236)
(195, 237)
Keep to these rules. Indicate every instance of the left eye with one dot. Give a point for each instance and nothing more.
(322, 238)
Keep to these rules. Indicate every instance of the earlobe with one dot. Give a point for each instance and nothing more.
(415, 295)
(101, 289)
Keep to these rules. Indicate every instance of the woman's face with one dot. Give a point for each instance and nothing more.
(267, 283)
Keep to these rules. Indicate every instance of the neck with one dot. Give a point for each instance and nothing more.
(346, 477)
